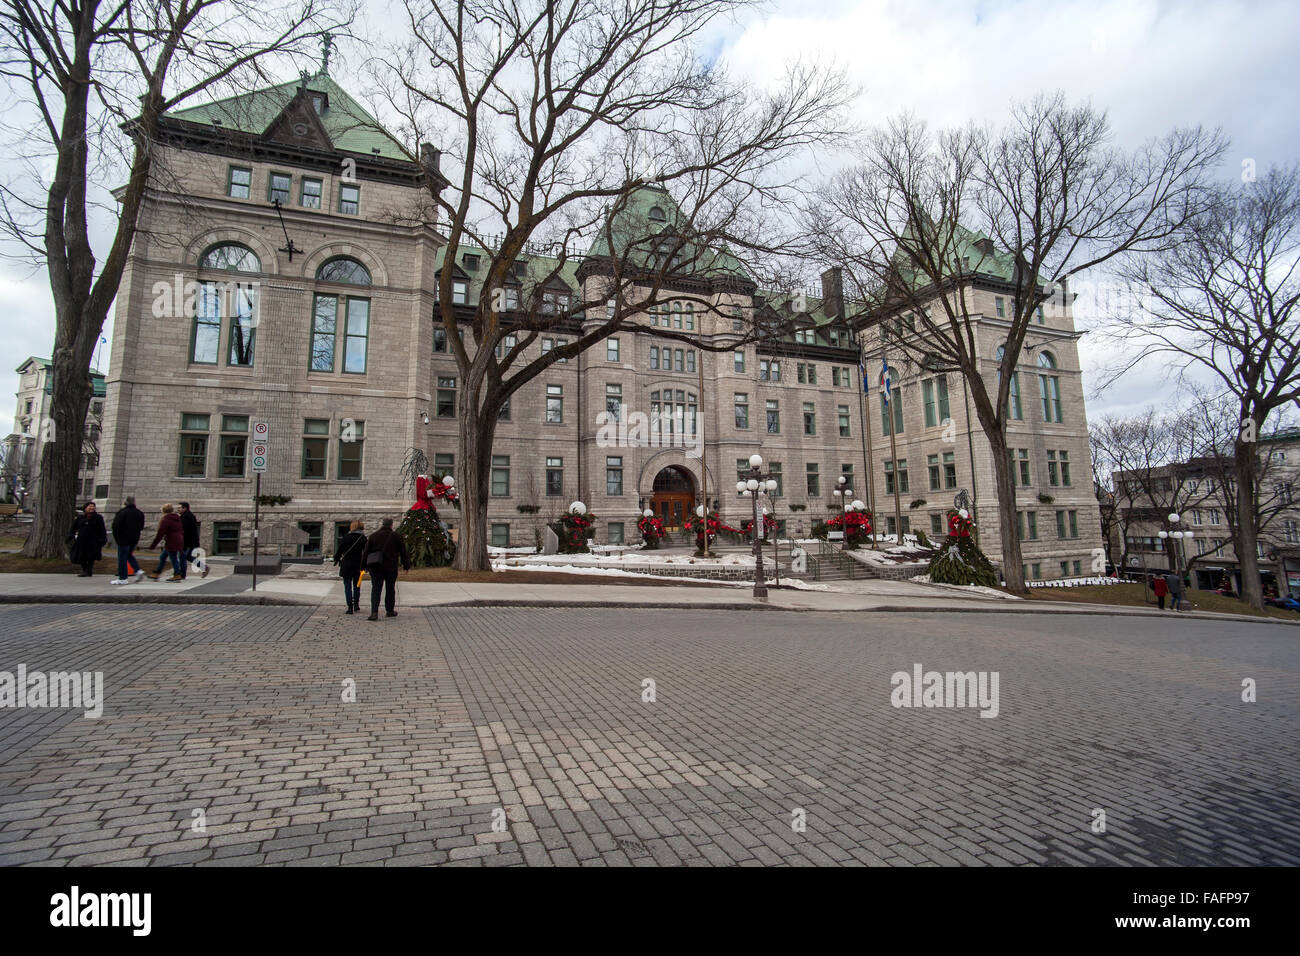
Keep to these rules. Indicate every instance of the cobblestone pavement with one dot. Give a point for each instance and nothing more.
(226, 739)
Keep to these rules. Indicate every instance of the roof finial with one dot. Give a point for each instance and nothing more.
(327, 47)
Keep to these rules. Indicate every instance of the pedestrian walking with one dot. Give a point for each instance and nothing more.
(190, 528)
(128, 525)
(382, 552)
(172, 536)
(86, 539)
(348, 557)
(1175, 591)
(1161, 587)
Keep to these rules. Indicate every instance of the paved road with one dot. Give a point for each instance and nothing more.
(225, 739)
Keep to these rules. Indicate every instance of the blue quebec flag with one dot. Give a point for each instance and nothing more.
(884, 380)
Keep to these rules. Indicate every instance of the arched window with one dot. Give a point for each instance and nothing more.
(232, 257)
(226, 307)
(1049, 388)
(341, 322)
(343, 269)
(657, 214)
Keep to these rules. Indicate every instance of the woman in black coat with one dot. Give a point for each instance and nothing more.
(87, 539)
(348, 557)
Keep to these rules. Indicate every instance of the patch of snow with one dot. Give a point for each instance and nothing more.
(966, 588)
(1072, 582)
(608, 572)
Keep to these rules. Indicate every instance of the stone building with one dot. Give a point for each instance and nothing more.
(315, 314)
(941, 448)
(1200, 491)
(32, 419)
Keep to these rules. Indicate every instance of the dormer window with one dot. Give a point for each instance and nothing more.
(518, 268)
(471, 262)
(459, 292)
(318, 102)
(657, 214)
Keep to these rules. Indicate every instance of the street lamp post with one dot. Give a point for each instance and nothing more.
(753, 481)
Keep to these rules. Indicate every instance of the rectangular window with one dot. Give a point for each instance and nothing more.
(927, 397)
(742, 410)
(315, 531)
(1074, 523)
(324, 325)
(611, 350)
(932, 470)
(1050, 388)
(1064, 457)
(315, 446)
(352, 440)
(773, 417)
(842, 414)
(739, 358)
(446, 397)
(814, 480)
(440, 342)
(243, 324)
(350, 199)
(896, 400)
(614, 533)
(309, 193)
(679, 365)
(1060, 524)
(501, 476)
(444, 463)
(234, 445)
(654, 357)
(356, 340)
(554, 404)
(193, 461)
(690, 361)
(1000, 306)
(936, 525)
(1023, 458)
(1036, 571)
(225, 537)
(1077, 568)
(614, 475)
(459, 292)
(809, 418)
(207, 325)
(614, 400)
(774, 469)
(279, 187)
(500, 535)
(949, 470)
(1033, 525)
(846, 472)
(1038, 313)
(1053, 476)
(1014, 408)
(554, 477)
(239, 182)
(941, 390)
(801, 372)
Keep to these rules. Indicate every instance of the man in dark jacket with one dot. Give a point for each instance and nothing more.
(86, 539)
(128, 525)
(389, 547)
(190, 527)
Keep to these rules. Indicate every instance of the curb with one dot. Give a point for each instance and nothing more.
(253, 600)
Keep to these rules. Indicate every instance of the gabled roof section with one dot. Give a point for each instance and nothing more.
(346, 124)
(536, 268)
(650, 211)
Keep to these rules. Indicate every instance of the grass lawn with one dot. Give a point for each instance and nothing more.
(452, 576)
(1130, 594)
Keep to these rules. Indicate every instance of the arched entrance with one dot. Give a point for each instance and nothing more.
(674, 496)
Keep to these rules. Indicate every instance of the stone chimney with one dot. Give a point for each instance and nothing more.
(430, 157)
(833, 292)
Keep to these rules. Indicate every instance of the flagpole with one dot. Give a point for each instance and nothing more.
(893, 451)
(866, 445)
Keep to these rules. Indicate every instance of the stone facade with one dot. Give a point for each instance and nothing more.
(32, 415)
(1061, 537)
(178, 416)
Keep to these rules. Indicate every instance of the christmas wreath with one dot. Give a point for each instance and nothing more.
(652, 531)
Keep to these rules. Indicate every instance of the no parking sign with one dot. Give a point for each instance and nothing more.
(260, 451)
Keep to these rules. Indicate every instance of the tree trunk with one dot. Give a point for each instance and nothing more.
(56, 488)
(1012, 571)
(1247, 534)
(475, 484)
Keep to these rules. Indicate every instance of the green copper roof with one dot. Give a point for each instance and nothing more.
(349, 126)
(537, 268)
(635, 224)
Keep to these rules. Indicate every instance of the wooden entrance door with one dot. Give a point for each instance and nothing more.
(673, 507)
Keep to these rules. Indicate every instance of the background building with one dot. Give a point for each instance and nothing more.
(22, 449)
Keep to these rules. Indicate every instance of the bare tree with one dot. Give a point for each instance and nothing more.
(925, 216)
(94, 78)
(1222, 300)
(560, 115)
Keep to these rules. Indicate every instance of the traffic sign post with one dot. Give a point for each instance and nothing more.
(260, 455)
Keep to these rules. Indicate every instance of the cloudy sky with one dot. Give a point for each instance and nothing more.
(1152, 64)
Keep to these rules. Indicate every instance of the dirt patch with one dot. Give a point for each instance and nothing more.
(1132, 595)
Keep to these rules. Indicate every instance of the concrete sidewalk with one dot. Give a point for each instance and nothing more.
(222, 587)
